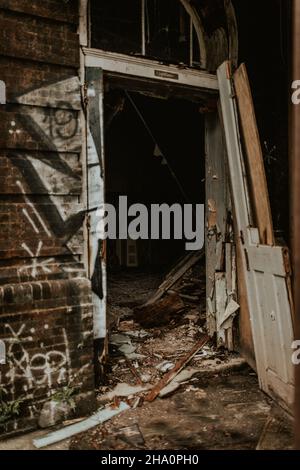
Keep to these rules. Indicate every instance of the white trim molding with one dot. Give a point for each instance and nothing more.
(149, 69)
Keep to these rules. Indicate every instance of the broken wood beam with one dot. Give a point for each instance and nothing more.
(183, 362)
(184, 264)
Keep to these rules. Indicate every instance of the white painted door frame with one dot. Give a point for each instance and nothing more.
(149, 69)
(127, 66)
(96, 196)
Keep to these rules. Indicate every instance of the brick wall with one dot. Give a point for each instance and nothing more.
(45, 300)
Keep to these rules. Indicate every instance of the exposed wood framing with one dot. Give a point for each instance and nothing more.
(220, 257)
(184, 264)
(260, 202)
(246, 345)
(163, 90)
(245, 339)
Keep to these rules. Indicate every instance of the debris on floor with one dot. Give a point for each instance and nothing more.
(181, 363)
(165, 366)
(152, 341)
(224, 410)
(183, 377)
(122, 390)
(181, 391)
(148, 338)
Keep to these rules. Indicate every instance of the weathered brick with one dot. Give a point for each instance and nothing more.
(38, 338)
(46, 314)
(30, 38)
(66, 12)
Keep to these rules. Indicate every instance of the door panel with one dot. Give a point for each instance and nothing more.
(264, 267)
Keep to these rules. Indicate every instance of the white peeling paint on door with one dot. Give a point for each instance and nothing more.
(96, 196)
(264, 267)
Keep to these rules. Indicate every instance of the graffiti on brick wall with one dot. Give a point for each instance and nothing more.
(45, 369)
(51, 171)
(45, 142)
(63, 124)
(36, 264)
(50, 179)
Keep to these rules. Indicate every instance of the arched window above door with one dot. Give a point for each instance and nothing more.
(194, 33)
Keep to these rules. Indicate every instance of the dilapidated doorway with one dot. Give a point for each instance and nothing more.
(151, 137)
(135, 76)
(154, 154)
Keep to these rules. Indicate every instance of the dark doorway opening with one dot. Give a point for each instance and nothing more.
(154, 154)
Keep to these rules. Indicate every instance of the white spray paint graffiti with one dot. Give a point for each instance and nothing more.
(51, 224)
(35, 260)
(35, 256)
(44, 226)
(52, 117)
(47, 368)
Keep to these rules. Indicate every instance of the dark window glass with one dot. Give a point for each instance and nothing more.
(167, 31)
(116, 25)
